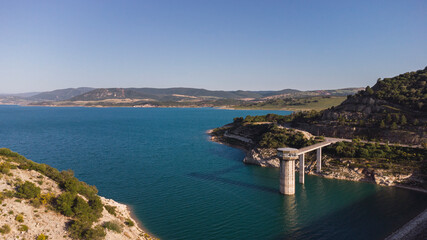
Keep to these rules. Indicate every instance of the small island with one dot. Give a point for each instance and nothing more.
(40, 202)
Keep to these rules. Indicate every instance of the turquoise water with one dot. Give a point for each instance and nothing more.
(182, 186)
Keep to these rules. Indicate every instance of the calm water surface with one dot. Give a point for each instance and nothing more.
(181, 186)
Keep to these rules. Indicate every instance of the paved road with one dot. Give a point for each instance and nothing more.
(332, 139)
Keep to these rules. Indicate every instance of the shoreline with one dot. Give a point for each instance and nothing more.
(213, 107)
(138, 222)
(126, 212)
(412, 230)
(246, 151)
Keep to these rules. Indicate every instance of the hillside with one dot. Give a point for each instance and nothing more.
(286, 99)
(39, 202)
(384, 130)
(169, 94)
(394, 109)
(59, 94)
(175, 94)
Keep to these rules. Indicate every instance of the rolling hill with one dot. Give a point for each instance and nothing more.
(59, 94)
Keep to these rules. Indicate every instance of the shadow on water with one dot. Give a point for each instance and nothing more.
(225, 153)
(213, 177)
(227, 170)
(374, 217)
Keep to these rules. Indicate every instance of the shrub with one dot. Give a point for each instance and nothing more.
(113, 226)
(82, 210)
(78, 228)
(4, 168)
(28, 190)
(42, 237)
(129, 222)
(23, 228)
(96, 233)
(46, 198)
(19, 218)
(64, 203)
(5, 229)
(96, 204)
(36, 202)
(111, 209)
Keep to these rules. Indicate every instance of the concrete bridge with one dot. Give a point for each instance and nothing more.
(288, 156)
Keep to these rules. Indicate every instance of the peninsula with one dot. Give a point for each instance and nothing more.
(378, 135)
(40, 202)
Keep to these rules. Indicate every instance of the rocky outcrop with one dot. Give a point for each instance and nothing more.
(264, 157)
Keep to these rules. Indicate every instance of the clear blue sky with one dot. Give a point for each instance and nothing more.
(212, 44)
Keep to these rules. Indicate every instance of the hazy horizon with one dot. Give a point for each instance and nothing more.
(13, 93)
(215, 45)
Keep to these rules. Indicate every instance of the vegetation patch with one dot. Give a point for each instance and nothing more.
(113, 226)
(23, 228)
(28, 190)
(5, 229)
(69, 203)
(129, 222)
(19, 218)
(111, 209)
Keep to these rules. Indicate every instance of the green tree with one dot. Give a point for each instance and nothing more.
(388, 119)
(64, 203)
(82, 210)
(369, 90)
(382, 124)
(403, 120)
(394, 126)
(416, 122)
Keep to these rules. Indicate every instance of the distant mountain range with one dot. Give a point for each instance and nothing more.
(60, 94)
(170, 97)
(168, 94)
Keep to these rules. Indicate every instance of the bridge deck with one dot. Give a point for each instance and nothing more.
(315, 146)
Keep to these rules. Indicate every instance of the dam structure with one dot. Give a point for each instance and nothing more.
(288, 156)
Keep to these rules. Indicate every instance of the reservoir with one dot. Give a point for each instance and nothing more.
(180, 185)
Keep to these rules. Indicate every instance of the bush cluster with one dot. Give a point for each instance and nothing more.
(113, 226)
(277, 137)
(83, 230)
(68, 203)
(28, 190)
(5, 229)
(71, 205)
(381, 155)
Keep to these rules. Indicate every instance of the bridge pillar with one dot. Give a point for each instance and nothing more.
(319, 160)
(301, 168)
(287, 170)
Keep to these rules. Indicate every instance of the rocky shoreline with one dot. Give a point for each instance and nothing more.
(22, 218)
(266, 157)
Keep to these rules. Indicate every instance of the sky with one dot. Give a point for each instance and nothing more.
(211, 44)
